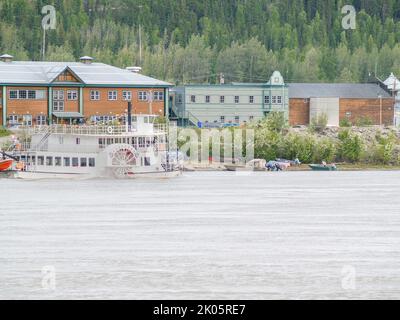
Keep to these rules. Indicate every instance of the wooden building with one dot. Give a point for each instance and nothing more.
(39, 93)
(340, 101)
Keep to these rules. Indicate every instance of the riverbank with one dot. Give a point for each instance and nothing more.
(301, 168)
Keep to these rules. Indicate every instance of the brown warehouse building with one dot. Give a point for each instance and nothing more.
(39, 93)
(340, 101)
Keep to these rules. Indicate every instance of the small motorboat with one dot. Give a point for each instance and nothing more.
(6, 164)
(253, 165)
(323, 167)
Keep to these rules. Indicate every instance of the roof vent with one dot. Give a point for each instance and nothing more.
(6, 58)
(86, 60)
(134, 69)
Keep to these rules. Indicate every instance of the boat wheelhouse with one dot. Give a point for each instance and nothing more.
(137, 149)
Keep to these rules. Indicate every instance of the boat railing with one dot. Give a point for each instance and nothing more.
(105, 130)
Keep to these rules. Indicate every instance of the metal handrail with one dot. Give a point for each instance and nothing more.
(111, 130)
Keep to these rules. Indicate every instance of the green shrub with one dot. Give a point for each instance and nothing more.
(345, 123)
(267, 144)
(276, 121)
(4, 132)
(319, 122)
(325, 150)
(383, 150)
(299, 146)
(364, 122)
(350, 147)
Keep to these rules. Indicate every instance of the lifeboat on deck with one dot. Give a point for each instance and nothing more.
(6, 164)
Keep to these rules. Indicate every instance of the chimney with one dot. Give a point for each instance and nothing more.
(221, 78)
(6, 58)
(134, 69)
(86, 60)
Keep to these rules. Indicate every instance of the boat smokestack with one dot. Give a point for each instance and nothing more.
(129, 116)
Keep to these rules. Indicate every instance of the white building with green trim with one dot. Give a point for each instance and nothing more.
(229, 104)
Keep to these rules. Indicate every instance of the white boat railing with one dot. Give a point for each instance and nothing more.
(93, 130)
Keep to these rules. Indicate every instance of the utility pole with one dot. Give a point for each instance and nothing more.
(44, 45)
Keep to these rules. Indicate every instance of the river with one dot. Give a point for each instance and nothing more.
(205, 235)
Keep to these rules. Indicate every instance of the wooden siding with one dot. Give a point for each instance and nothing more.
(299, 112)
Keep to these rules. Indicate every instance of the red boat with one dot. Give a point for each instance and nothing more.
(5, 164)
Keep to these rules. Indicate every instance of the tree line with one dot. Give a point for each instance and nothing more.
(193, 41)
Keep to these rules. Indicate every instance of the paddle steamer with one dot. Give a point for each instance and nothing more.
(139, 148)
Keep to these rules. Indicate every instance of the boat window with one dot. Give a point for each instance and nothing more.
(58, 161)
(142, 142)
(83, 162)
(49, 161)
(148, 142)
(40, 161)
(75, 162)
(92, 162)
(67, 162)
(33, 160)
(147, 161)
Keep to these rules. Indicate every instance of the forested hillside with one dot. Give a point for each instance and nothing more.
(194, 40)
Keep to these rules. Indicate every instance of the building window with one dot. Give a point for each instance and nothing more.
(13, 120)
(95, 95)
(127, 95)
(237, 119)
(147, 162)
(273, 99)
(222, 99)
(41, 120)
(32, 94)
(58, 106)
(251, 99)
(112, 95)
(27, 120)
(58, 95)
(142, 96)
(13, 94)
(222, 119)
(78, 141)
(208, 99)
(27, 94)
(279, 99)
(251, 118)
(180, 99)
(22, 94)
(237, 99)
(72, 95)
(193, 99)
(158, 96)
(267, 100)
